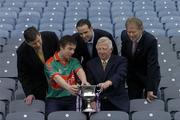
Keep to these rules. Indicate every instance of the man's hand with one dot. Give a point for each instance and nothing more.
(85, 83)
(150, 96)
(104, 85)
(29, 99)
(73, 89)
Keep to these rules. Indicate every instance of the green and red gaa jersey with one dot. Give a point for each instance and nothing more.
(56, 66)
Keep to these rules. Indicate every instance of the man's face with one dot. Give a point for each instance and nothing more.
(68, 51)
(104, 52)
(85, 32)
(37, 43)
(133, 31)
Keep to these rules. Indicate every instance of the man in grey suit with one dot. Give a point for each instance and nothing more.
(140, 48)
(109, 71)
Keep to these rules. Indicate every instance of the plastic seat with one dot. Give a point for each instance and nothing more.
(144, 7)
(101, 20)
(145, 13)
(14, 4)
(110, 115)
(68, 32)
(10, 9)
(21, 106)
(40, 4)
(4, 34)
(79, 4)
(52, 4)
(25, 116)
(143, 105)
(173, 105)
(66, 115)
(156, 32)
(55, 26)
(7, 27)
(153, 25)
(172, 25)
(171, 93)
(173, 32)
(177, 116)
(99, 11)
(30, 14)
(8, 83)
(151, 115)
(33, 9)
(7, 20)
(9, 14)
(168, 13)
(23, 26)
(5, 95)
(167, 19)
(19, 93)
(2, 109)
(30, 19)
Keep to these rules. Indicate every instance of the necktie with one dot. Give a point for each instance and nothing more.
(90, 47)
(104, 63)
(134, 45)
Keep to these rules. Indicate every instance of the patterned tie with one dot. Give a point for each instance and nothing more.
(90, 47)
(104, 63)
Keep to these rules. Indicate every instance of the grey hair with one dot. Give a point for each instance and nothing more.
(105, 40)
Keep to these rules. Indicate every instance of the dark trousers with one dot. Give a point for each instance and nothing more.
(107, 105)
(58, 104)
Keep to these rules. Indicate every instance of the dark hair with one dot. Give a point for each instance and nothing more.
(82, 22)
(30, 34)
(66, 40)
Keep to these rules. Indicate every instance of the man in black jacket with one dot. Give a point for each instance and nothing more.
(140, 48)
(31, 56)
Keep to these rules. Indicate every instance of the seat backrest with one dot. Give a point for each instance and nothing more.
(66, 115)
(151, 115)
(110, 115)
(143, 105)
(21, 106)
(25, 116)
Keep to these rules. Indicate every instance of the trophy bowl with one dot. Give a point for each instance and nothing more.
(88, 93)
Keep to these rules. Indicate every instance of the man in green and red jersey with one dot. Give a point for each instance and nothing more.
(60, 71)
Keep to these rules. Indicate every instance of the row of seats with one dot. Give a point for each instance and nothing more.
(137, 106)
(103, 115)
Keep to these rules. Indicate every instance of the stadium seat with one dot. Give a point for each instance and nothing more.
(143, 105)
(21, 106)
(151, 115)
(110, 115)
(25, 116)
(66, 115)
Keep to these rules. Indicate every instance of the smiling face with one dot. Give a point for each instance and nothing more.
(85, 32)
(104, 49)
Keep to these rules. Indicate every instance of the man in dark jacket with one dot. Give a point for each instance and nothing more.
(31, 56)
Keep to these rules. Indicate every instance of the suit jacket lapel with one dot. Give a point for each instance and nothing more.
(108, 67)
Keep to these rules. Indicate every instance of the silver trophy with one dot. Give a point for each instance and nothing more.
(88, 93)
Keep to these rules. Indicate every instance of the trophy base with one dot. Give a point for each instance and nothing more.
(89, 110)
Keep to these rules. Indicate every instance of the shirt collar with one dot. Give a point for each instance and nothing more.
(102, 61)
(58, 58)
(92, 39)
(139, 39)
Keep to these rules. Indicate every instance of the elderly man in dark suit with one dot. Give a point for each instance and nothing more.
(140, 48)
(87, 38)
(109, 72)
(31, 56)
